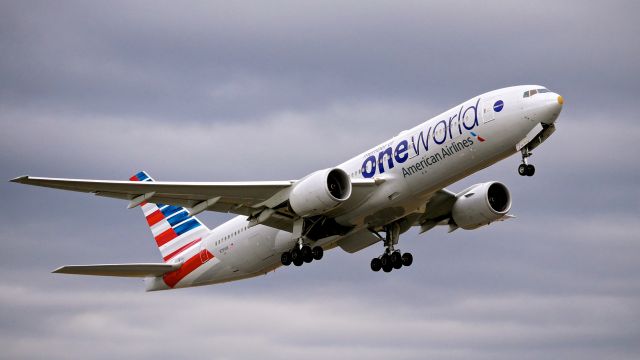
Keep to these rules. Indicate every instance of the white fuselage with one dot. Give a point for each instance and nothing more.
(414, 164)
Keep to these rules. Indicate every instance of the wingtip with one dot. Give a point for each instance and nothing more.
(58, 270)
(20, 179)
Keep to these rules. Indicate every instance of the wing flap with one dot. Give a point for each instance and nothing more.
(120, 270)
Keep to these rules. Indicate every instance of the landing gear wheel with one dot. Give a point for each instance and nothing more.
(531, 170)
(285, 258)
(296, 257)
(526, 169)
(396, 260)
(522, 169)
(387, 268)
(376, 264)
(317, 253)
(385, 260)
(407, 259)
(307, 254)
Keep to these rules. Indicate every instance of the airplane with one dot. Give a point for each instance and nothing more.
(387, 189)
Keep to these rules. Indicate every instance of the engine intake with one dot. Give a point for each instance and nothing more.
(320, 192)
(481, 204)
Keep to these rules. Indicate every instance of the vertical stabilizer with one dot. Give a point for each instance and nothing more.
(177, 234)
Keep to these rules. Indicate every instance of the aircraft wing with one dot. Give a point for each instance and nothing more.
(121, 270)
(242, 198)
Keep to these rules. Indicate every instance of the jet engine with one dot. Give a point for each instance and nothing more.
(480, 205)
(320, 192)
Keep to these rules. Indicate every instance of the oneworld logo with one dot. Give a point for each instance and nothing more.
(443, 130)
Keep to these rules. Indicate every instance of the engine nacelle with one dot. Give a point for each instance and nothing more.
(320, 192)
(481, 204)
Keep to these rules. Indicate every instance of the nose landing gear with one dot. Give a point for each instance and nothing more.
(391, 258)
(526, 169)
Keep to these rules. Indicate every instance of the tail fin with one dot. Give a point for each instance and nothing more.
(176, 233)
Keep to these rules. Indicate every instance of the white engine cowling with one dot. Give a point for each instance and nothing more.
(320, 192)
(480, 205)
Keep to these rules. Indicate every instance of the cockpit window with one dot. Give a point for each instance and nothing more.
(535, 91)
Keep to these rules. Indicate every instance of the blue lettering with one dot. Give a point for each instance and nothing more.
(450, 127)
(386, 152)
(460, 120)
(475, 120)
(369, 163)
(444, 132)
(425, 145)
(373, 164)
(401, 151)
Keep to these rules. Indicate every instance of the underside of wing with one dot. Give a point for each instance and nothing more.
(120, 270)
(437, 210)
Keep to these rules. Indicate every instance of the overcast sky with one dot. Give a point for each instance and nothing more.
(211, 91)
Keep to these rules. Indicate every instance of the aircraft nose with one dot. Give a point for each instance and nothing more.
(552, 108)
(557, 104)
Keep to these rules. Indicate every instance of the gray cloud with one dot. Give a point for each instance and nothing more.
(98, 325)
(151, 58)
(217, 91)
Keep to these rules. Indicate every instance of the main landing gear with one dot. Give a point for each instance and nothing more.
(391, 258)
(301, 254)
(526, 169)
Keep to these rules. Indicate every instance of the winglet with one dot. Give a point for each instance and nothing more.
(20, 179)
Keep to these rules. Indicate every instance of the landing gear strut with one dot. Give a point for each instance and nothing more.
(526, 169)
(391, 258)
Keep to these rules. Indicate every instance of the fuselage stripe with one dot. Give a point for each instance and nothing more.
(194, 262)
(181, 249)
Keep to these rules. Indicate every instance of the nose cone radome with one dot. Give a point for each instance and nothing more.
(551, 108)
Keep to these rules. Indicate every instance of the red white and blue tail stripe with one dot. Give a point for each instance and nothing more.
(177, 234)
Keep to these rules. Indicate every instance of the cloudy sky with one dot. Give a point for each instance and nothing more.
(208, 91)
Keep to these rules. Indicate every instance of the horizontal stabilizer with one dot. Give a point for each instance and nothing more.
(121, 270)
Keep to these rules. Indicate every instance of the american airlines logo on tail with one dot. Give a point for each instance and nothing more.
(177, 235)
